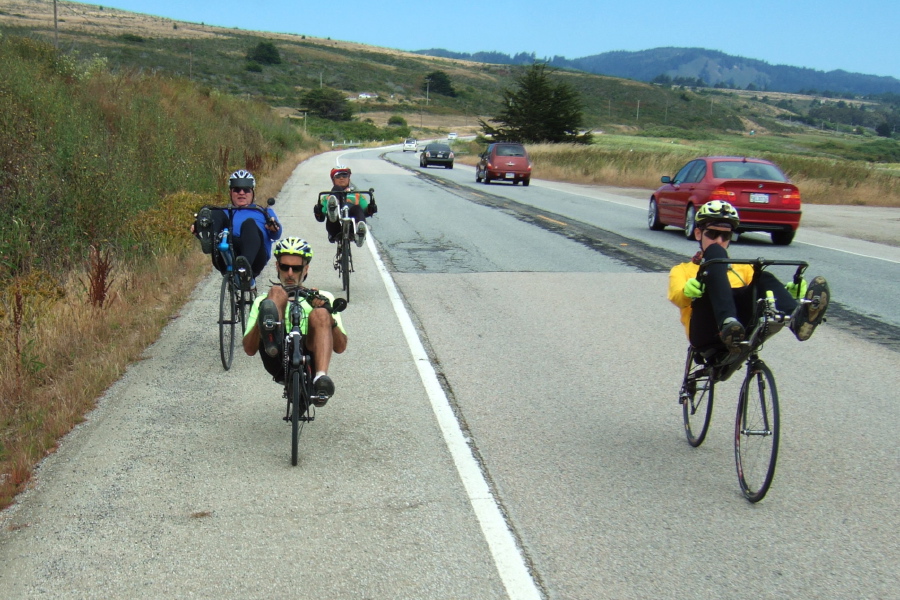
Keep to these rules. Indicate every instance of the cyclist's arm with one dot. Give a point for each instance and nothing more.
(678, 276)
(251, 332)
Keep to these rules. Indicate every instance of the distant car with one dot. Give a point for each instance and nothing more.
(505, 161)
(451, 136)
(762, 194)
(411, 145)
(436, 154)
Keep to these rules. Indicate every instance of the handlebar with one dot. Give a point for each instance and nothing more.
(758, 265)
(343, 195)
(298, 291)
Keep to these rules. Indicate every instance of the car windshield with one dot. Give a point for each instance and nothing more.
(510, 151)
(438, 148)
(746, 170)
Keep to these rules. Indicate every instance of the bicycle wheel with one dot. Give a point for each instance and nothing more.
(696, 400)
(226, 322)
(345, 265)
(296, 396)
(756, 432)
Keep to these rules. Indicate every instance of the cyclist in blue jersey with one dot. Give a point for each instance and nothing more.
(252, 231)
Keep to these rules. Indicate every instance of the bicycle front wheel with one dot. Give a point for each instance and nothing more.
(345, 266)
(296, 396)
(696, 401)
(226, 322)
(756, 432)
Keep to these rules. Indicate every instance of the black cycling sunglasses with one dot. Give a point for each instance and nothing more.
(246, 190)
(337, 175)
(285, 268)
(714, 234)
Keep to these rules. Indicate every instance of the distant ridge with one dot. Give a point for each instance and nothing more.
(714, 68)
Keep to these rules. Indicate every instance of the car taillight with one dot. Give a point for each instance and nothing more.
(428, 154)
(451, 155)
(721, 193)
(791, 197)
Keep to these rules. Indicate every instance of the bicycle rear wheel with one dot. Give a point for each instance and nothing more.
(226, 321)
(696, 400)
(756, 432)
(345, 265)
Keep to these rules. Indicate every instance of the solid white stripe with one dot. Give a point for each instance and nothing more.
(508, 559)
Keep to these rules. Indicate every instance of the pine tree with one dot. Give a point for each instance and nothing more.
(539, 110)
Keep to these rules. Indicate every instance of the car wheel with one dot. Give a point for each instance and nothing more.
(653, 217)
(487, 178)
(689, 222)
(477, 176)
(450, 166)
(783, 238)
(527, 181)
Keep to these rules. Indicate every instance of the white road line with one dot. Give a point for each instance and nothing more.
(508, 559)
(896, 262)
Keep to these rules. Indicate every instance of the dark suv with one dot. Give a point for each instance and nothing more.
(504, 160)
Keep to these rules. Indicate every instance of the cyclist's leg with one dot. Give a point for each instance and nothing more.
(718, 288)
(704, 330)
(274, 365)
(333, 229)
(249, 244)
(218, 221)
(359, 217)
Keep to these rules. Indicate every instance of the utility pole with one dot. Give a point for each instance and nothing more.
(638, 117)
(427, 89)
(55, 27)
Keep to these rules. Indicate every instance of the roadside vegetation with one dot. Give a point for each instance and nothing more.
(100, 175)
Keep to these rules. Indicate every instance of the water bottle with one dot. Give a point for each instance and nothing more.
(223, 247)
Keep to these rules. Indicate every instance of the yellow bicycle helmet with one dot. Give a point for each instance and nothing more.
(717, 211)
(294, 245)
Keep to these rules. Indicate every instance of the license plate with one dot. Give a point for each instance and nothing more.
(509, 176)
(759, 198)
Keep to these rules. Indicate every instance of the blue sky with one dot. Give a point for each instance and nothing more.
(858, 36)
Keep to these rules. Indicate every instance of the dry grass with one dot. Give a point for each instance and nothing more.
(53, 370)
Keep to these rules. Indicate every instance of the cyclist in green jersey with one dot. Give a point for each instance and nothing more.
(325, 333)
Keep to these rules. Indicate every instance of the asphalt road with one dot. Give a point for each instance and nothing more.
(506, 406)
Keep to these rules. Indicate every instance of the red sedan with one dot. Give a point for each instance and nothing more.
(761, 193)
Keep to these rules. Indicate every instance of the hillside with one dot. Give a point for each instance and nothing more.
(216, 57)
(712, 67)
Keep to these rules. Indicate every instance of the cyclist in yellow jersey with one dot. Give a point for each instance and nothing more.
(717, 312)
(325, 333)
